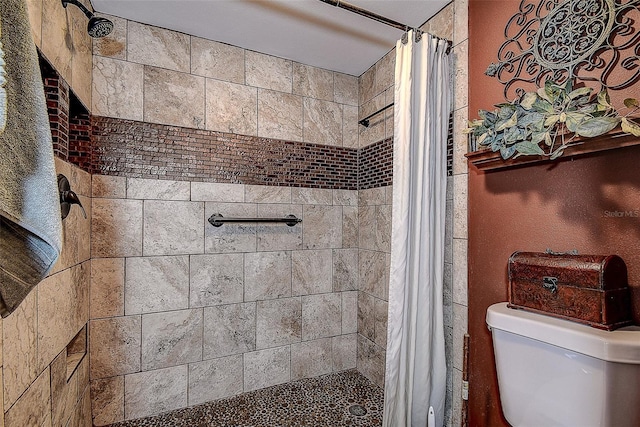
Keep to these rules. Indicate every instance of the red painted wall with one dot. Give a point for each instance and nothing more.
(572, 204)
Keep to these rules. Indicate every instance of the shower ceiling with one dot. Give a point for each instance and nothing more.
(306, 31)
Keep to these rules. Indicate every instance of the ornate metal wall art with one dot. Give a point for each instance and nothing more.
(592, 41)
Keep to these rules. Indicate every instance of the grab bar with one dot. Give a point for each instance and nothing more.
(217, 220)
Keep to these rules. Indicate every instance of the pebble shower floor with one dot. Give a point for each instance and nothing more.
(332, 400)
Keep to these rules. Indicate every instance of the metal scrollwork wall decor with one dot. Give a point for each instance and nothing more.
(591, 41)
(559, 61)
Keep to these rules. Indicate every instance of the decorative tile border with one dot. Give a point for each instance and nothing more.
(147, 150)
(375, 165)
(119, 147)
(56, 92)
(80, 144)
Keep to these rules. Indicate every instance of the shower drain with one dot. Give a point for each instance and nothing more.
(357, 410)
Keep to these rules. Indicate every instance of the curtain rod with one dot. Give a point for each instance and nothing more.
(367, 14)
(379, 18)
(384, 20)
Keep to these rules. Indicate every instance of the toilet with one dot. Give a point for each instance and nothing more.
(554, 372)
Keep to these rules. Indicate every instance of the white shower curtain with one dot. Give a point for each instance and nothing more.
(415, 377)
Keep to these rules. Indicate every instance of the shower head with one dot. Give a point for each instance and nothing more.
(97, 27)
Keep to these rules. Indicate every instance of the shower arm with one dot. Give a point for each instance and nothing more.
(82, 7)
(97, 27)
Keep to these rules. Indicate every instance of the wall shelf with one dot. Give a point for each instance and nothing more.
(486, 160)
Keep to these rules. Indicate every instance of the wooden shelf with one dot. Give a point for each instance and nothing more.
(486, 160)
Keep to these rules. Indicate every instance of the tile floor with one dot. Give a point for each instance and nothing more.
(316, 402)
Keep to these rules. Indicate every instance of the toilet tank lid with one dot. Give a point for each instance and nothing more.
(621, 345)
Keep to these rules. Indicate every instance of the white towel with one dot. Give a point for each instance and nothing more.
(30, 224)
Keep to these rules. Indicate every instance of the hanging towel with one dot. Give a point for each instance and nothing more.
(30, 224)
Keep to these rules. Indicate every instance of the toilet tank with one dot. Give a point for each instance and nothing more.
(554, 372)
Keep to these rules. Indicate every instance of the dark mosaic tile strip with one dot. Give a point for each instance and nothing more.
(80, 146)
(148, 150)
(56, 92)
(314, 402)
(375, 165)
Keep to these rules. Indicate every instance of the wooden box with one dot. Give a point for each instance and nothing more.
(590, 289)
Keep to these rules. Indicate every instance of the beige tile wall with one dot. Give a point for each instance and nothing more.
(184, 312)
(147, 73)
(35, 388)
(459, 233)
(374, 223)
(375, 90)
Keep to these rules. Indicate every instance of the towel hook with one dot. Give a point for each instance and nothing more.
(68, 197)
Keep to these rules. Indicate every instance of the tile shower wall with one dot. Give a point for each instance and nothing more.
(150, 74)
(321, 107)
(458, 237)
(183, 312)
(375, 90)
(247, 93)
(374, 223)
(38, 389)
(37, 386)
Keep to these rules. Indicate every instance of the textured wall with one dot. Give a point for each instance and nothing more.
(561, 206)
(180, 308)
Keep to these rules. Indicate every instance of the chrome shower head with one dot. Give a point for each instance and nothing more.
(97, 27)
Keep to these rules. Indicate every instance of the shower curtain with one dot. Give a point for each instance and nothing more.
(415, 377)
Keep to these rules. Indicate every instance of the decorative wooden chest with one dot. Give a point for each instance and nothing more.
(590, 289)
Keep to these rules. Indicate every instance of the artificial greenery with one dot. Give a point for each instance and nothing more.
(546, 122)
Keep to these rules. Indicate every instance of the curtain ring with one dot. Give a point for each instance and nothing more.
(417, 35)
